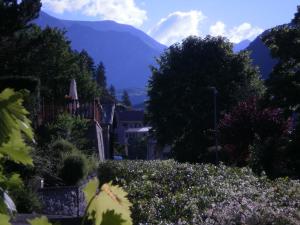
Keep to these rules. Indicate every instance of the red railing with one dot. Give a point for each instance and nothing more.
(50, 111)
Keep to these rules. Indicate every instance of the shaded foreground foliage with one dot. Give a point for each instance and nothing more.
(167, 192)
(109, 204)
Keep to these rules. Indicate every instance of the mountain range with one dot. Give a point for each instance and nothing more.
(127, 52)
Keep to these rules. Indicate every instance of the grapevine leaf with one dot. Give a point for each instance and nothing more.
(16, 149)
(111, 198)
(39, 221)
(90, 189)
(110, 217)
(4, 219)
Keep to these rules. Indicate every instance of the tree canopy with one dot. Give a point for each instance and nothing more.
(180, 92)
(46, 54)
(284, 82)
(126, 99)
(100, 76)
(16, 15)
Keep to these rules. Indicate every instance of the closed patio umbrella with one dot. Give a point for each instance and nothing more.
(74, 105)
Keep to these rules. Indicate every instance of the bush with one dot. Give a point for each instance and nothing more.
(26, 200)
(71, 128)
(74, 168)
(247, 121)
(60, 147)
(167, 192)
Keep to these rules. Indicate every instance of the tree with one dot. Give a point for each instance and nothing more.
(17, 15)
(28, 51)
(296, 19)
(112, 92)
(244, 125)
(180, 92)
(125, 99)
(54, 65)
(100, 76)
(284, 83)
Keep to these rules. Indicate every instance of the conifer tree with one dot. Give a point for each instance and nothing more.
(126, 99)
(100, 76)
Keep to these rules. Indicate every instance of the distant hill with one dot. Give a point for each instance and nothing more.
(241, 46)
(261, 56)
(125, 51)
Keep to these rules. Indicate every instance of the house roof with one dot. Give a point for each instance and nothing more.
(133, 115)
(108, 113)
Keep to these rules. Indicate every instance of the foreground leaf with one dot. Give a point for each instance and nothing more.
(39, 221)
(90, 189)
(4, 219)
(16, 149)
(111, 205)
(13, 125)
(110, 217)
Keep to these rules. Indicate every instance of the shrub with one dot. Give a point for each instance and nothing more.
(248, 120)
(167, 192)
(60, 147)
(74, 168)
(71, 128)
(26, 200)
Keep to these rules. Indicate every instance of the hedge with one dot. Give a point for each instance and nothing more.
(167, 192)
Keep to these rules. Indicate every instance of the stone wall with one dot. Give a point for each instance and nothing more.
(66, 201)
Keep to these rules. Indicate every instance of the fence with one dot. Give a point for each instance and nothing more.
(89, 110)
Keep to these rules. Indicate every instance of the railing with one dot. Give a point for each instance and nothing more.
(50, 111)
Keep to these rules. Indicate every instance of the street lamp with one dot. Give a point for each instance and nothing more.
(215, 92)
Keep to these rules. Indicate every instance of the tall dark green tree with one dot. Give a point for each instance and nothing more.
(15, 15)
(180, 92)
(126, 99)
(112, 92)
(47, 55)
(296, 19)
(100, 76)
(284, 82)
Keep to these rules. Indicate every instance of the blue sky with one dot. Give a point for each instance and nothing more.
(169, 21)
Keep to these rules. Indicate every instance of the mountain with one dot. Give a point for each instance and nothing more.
(125, 51)
(261, 56)
(241, 46)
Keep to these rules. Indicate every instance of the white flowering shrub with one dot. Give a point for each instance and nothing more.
(167, 192)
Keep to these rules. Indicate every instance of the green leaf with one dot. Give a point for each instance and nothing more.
(4, 219)
(14, 182)
(110, 217)
(39, 221)
(13, 124)
(13, 115)
(3, 207)
(16, 149)
(111, 198)
(90, 190)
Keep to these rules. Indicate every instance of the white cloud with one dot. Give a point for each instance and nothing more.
(218, 29)
(122, 11)
(236, 34)
(177, 26)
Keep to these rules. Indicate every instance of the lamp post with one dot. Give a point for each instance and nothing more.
(215, 93)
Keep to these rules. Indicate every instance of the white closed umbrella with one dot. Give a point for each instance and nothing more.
(73, 90)
(73, 96)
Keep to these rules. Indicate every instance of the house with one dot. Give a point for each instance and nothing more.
(126, 120)
(135, 135)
